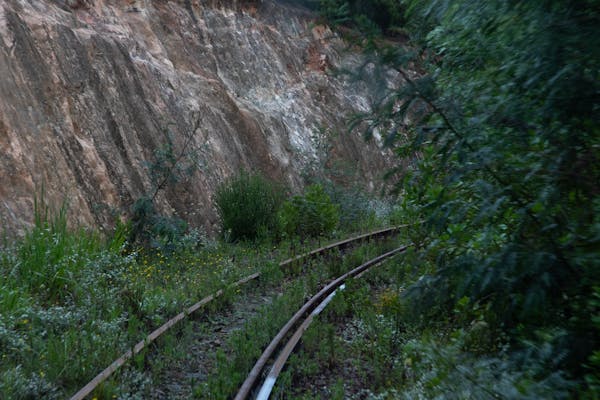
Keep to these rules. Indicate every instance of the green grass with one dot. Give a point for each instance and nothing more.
(72, 301)
(246, 345)
(379, 349)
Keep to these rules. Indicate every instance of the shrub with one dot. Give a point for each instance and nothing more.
(358, 210)
(313, 214)
(153, 230)
(247, 205)
(381, 15)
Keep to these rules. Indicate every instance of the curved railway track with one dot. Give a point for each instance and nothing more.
(141, 345)
(293, 330)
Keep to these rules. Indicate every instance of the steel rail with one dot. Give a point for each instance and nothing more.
(269, 382)
(308, 307)
(138, 347)
(342, 244)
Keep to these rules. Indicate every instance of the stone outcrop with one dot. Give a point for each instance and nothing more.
(91, 91)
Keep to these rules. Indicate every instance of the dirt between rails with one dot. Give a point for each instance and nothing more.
(349, 375)
(203, 337)
(350, 371)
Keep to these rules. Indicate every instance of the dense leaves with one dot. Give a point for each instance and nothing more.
(152, 229)
(383, 16)
(247, 205)
(502, 135)
(312, 214)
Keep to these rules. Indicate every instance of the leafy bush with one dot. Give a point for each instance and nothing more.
(380, 15)
(310, 215)
(353, 205)
(154, 230)
(500, 136)
(359, 210)
(445, 371)
(247, 205)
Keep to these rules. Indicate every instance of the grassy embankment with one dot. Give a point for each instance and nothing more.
(72, 301)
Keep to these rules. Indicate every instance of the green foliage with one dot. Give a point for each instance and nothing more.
(50, 256)
(247, 343)
(148, 227)
(383, 16)
(310, 215)
(168, 167)
(65, 294)
(247, 205)
(359, 210)
(501, 137)
(592, 376)
(154, 230)
(520, 159)
(435, 370)
(335, 11)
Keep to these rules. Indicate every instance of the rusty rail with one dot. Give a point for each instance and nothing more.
(138, 347)
(307, 312)
(343, 244)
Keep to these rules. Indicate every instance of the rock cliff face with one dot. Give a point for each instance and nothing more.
(92, 92)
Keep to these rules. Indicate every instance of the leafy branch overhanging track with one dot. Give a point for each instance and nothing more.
(300, 321)
(141, 345)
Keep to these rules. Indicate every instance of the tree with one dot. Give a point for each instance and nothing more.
(502, 133)
(381, 15)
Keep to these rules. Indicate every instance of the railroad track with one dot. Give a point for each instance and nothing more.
(293, 330)
(141, 345)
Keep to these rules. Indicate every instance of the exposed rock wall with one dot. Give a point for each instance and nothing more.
(91, 89)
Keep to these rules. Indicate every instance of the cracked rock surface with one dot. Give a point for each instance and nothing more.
(90, 90)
